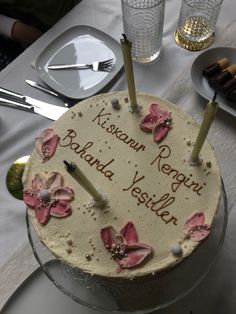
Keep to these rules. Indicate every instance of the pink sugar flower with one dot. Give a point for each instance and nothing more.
(195, 227)
(124, 246)
(157, 121)
(46, 144)
(48, 197)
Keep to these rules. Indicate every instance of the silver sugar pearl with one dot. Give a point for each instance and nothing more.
(115, 103)
(88, 257)
(45, 195)
(176, 249)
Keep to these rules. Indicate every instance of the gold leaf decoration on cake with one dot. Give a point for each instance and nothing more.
(14, 177)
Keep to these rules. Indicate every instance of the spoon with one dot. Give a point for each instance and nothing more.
(14, 177)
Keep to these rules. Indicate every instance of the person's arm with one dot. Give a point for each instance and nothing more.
(6, 24)
(24, 34)
(18, 31)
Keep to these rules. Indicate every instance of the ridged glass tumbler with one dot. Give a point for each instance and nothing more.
(143, 27)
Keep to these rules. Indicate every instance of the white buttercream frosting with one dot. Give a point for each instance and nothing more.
(153, 185)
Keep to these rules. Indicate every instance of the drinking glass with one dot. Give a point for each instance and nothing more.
(143, 27)
(197, 22)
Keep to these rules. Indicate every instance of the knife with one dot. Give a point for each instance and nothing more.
(44, 89)
(12, 99)
(40, 87)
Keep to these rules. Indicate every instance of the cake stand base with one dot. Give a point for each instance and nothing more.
(40, 294)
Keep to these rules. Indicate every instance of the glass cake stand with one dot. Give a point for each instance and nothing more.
(142, 297)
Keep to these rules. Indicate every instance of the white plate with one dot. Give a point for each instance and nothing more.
(200, 83)
(79, 44)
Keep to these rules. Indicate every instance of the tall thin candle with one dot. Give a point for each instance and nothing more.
(126, 50)
(209, 116)
(78, 175)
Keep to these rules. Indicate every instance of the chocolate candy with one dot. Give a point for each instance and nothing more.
(221, 76)
(228, 86)
(216, 67)
(218, 80)
(232, 95)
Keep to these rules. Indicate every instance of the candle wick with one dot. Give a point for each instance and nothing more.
(69, 166)
(214, 97)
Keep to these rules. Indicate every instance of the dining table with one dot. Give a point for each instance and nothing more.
(169, 78)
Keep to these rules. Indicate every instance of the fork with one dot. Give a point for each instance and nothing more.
(105, 66)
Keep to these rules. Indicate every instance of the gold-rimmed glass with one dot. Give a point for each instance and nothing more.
(197, 22)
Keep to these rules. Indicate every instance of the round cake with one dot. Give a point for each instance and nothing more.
(112, 191)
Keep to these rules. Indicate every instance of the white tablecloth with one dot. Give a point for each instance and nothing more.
(169, 78)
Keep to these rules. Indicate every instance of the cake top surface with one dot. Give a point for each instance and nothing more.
(158, 206)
